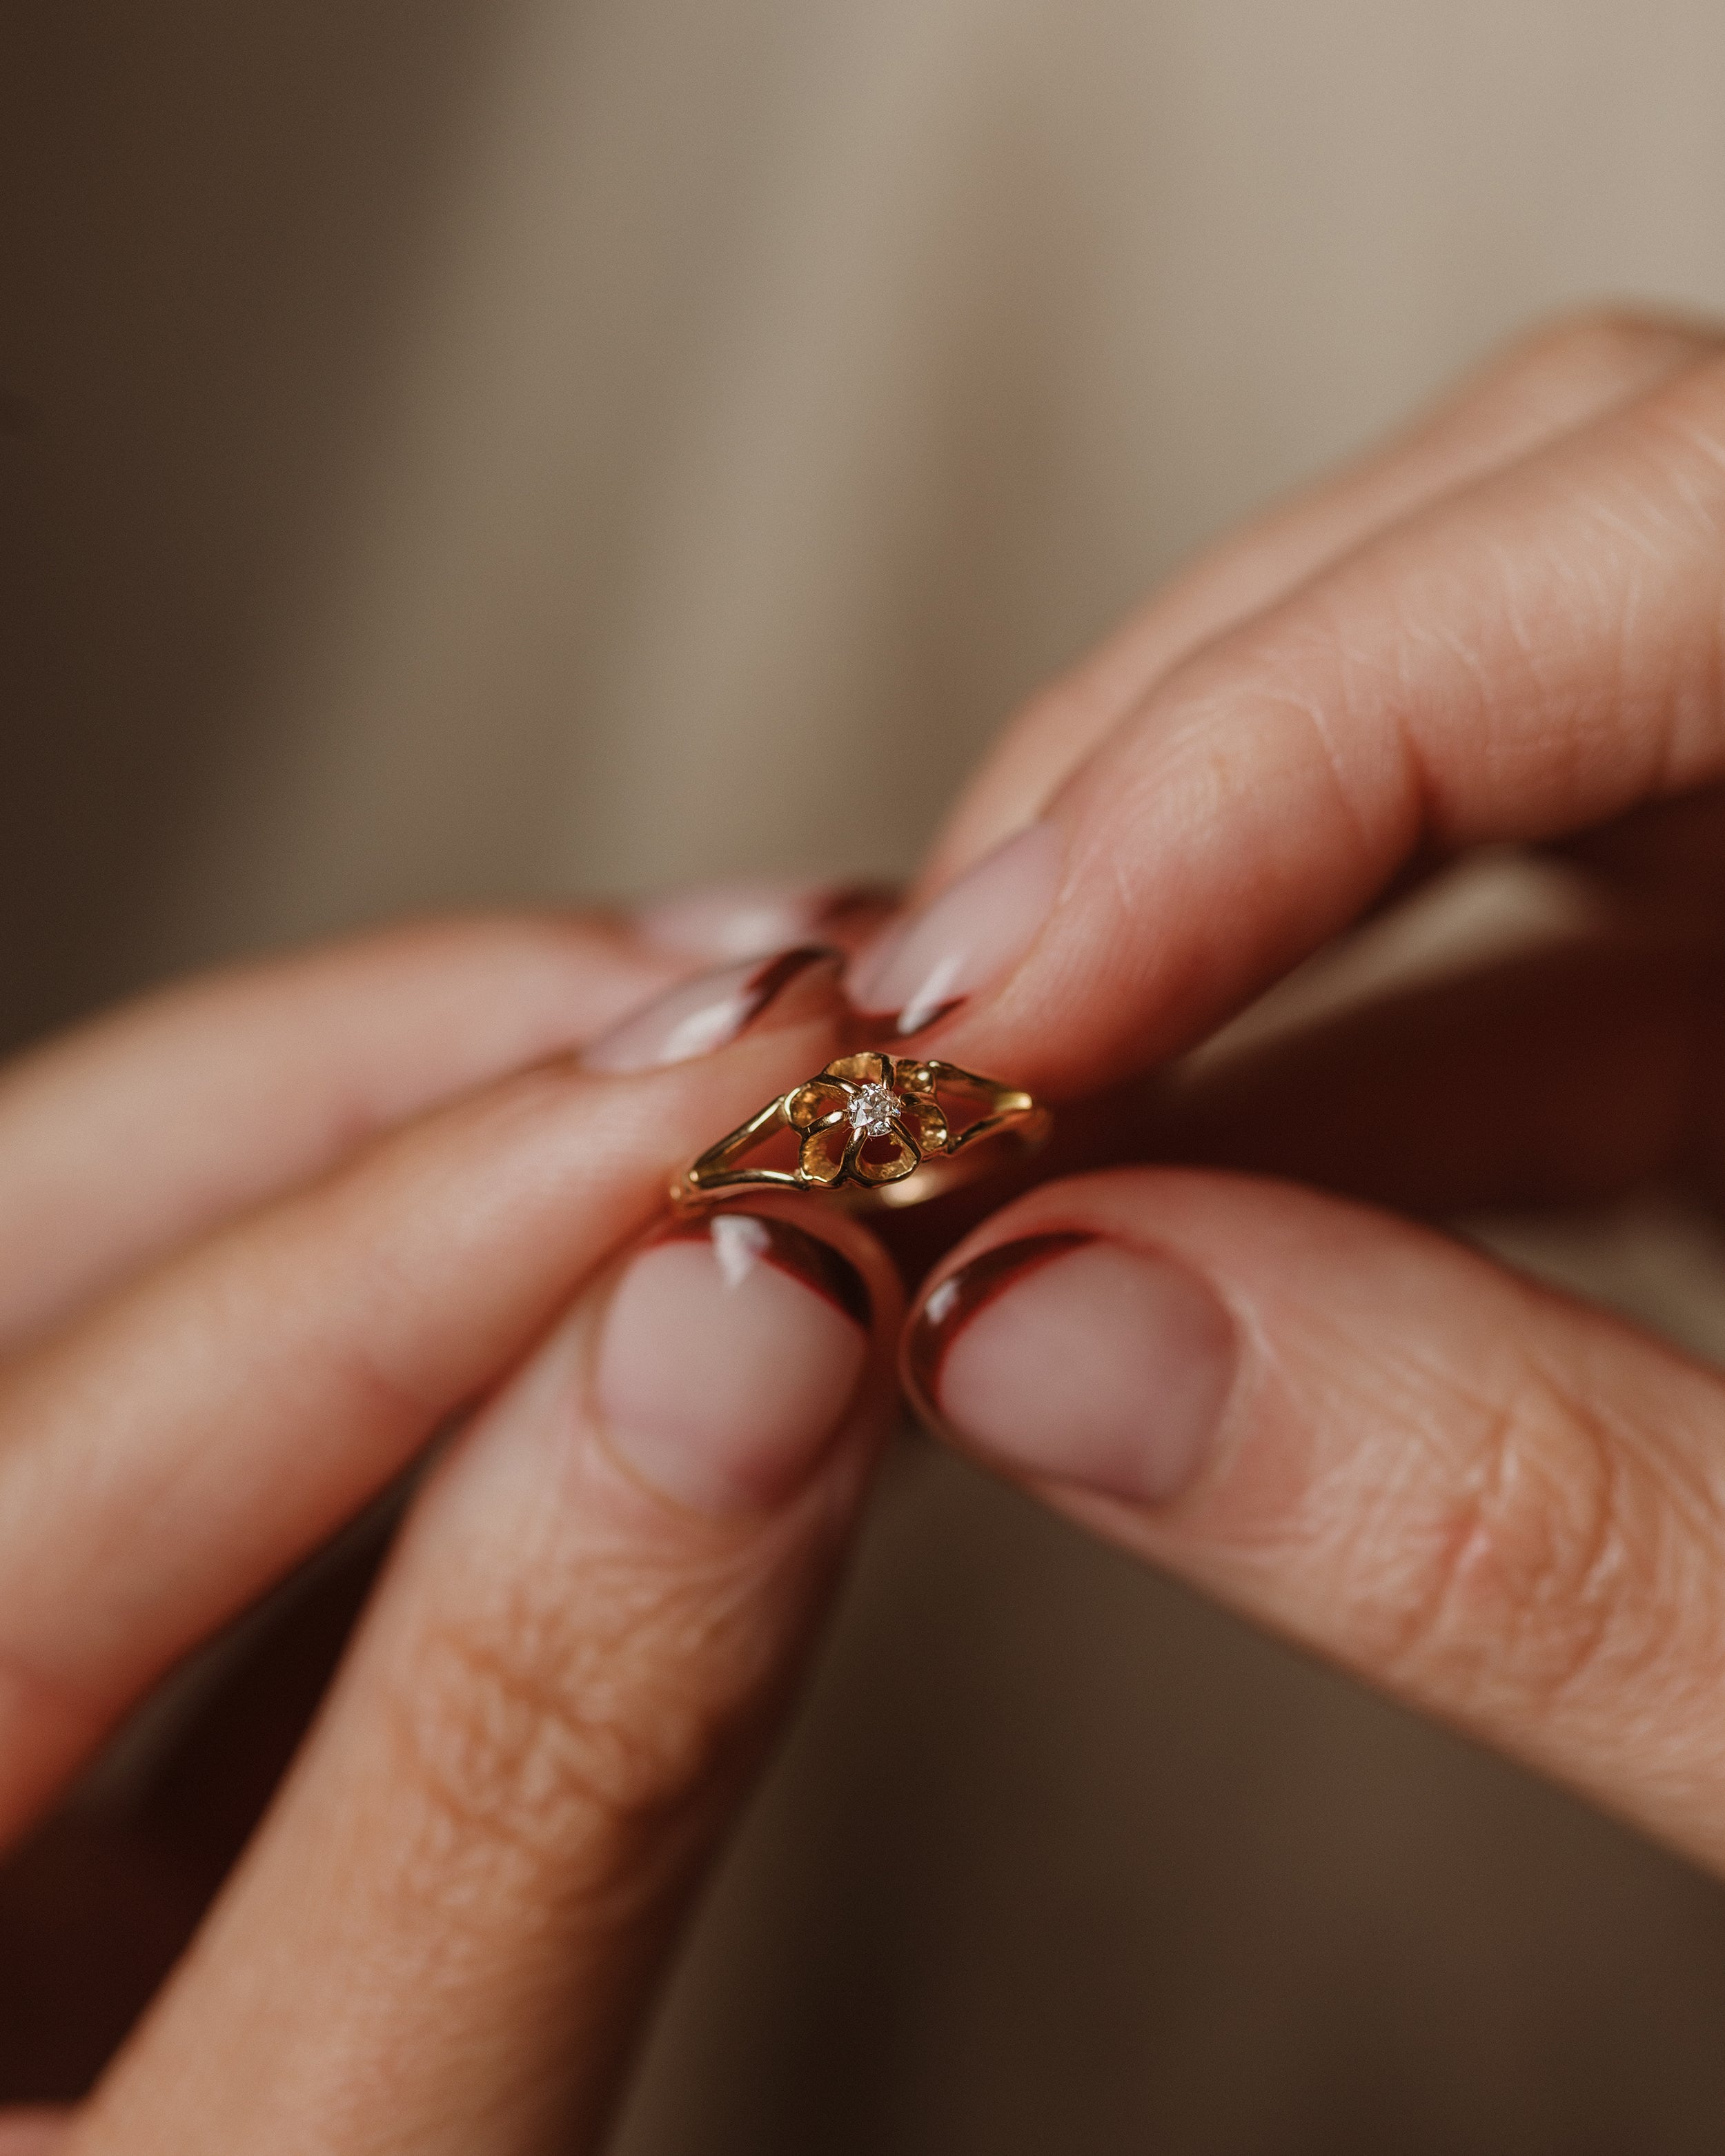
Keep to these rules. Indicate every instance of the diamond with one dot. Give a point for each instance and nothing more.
(871, 1111)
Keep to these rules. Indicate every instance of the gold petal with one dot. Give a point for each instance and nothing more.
(887, 1159)
(822, 1157)
(926, 1121)
(812, 1103)
(868, 1068)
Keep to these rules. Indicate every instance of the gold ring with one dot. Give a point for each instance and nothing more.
(873, 1132)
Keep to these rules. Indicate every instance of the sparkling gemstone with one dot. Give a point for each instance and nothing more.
(871, 1111)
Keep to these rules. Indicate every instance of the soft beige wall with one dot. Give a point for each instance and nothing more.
(791, 385)
(628, 439)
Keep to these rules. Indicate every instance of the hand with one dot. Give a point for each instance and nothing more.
(261, 1239)
(1504, 1506)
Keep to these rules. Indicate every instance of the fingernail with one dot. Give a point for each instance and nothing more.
(748, 918)
(730, 1350)
(974, 932)
(698, 1016)
(1077, 1360)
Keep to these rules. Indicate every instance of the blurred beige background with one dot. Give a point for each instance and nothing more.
(552, 446)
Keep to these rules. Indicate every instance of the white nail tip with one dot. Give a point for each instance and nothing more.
(976, 930)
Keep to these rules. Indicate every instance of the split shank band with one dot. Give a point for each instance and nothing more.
(875, 1132)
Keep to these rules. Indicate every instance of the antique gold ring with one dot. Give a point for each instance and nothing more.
(873, 1132)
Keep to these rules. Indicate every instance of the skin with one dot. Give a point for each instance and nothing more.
(1498, 1503)
(263, 1239)
(562, 1676)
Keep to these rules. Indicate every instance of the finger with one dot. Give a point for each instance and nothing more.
(103, 1899)
(1502, 1506)
(1524, 661)
(121, 1139)
(1575, 1073)
(1570, 1075)
(165, 1458)
(37, 2132)
(1546, 385)
(1669, 857)
(749, 916)
(443, 1940)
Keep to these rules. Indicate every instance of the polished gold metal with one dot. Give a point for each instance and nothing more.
(875, 1132)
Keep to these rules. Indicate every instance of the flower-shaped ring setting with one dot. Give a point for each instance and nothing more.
(872, 1130)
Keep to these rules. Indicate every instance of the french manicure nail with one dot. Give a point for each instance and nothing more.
(973, 933)
(730, 1351)
(1080, 1360)
(697, 1017)
(749, 917)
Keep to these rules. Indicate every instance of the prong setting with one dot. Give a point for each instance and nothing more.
(865, 1124)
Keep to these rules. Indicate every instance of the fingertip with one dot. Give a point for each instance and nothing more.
(732, 1348)
(748, 917)
(1079, 1356)
(36, 2132)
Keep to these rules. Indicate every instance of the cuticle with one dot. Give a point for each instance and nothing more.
(774, 976)
(843, 900)
(875, 1025)
(795, 1251)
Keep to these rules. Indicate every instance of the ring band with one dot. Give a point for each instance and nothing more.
(873, 1132)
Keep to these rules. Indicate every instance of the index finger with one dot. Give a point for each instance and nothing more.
(1563, 376)
(129, 1135)
(1522, 660)
(173, 1454)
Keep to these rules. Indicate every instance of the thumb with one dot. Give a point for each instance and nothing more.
(1503, 1505)
(33, 2133)
(443, 1937)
